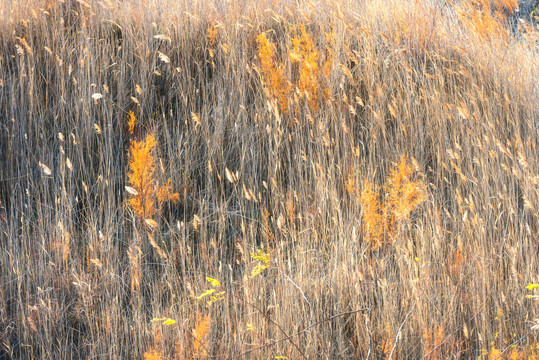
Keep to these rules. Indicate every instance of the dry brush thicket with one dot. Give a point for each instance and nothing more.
(268, 179)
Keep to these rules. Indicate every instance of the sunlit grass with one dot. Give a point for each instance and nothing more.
(268, 179)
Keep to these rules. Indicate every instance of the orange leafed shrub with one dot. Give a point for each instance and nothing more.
(131, 122)
(211, 35)
(149, 195)
(200, 334)
(275, 81)
(433, 339)
(197, 346)
(153, 355)
(402, 195)
(373, 215)
(311, 69)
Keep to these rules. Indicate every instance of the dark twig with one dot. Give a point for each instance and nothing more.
(451, 334)
(513, 344)
(405, 320)
(268, 317)
(288, 337)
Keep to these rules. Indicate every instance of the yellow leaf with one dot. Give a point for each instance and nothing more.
(261, 256)
(205, 293)
(257, 270)
(392, 110)
(213, 282)
(196, 221)
(169, 322)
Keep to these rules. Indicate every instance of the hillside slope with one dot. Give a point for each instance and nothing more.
(268, 179)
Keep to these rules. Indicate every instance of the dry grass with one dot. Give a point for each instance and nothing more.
(355, 179)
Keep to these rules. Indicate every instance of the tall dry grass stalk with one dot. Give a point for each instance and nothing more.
(299, 230)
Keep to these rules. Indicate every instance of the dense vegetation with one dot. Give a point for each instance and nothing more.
(268, 179)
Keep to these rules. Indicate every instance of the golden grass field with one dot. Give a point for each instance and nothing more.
(276, 179)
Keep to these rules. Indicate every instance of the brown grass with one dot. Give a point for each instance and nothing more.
(378, 158)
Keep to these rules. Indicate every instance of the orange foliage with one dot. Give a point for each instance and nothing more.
(487, 19)
(211, 35)
(403, 195)
(373, 216)
(198, 344)
(211, 40)
(311, 69)
(275, 81)
(131, 122)
(142, 175)
(200, 334)
(382, 220)
(458, 261)
(153, 355)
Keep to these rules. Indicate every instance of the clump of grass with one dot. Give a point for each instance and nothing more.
(277, 124)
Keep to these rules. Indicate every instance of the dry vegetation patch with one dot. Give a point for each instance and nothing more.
(268, 179)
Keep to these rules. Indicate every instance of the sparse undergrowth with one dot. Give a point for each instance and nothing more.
(268, 179)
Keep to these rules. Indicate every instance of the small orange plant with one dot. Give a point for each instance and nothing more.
(131, 123)
(311, 68)
(373, 215)
(382, 219)
(153, 355)
(211, 41)
(211, 36)
(403, 194)
(276, 83)
(197, 346)
(200, 337)
(147, 195)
